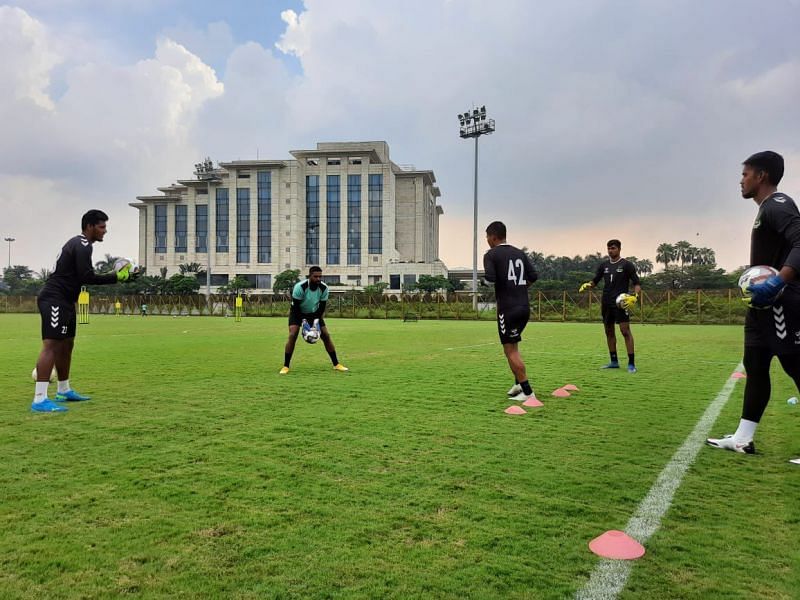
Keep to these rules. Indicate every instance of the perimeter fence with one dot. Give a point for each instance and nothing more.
(655, 306)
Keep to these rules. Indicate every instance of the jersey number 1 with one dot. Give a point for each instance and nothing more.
(512, 275)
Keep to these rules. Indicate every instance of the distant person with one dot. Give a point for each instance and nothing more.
(309, 298)
(144, 310)
(617, 274)
(512, 273)
(774, 316)
(57, 308)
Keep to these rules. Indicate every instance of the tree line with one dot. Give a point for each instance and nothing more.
(685, 266)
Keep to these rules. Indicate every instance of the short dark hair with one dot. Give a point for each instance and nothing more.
(497, 229)
(93, 217)
(314, 269)
(769, 162)
(615, 243)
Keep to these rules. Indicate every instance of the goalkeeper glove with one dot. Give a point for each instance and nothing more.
(764, 294)
(124, 273)
(585, 286)
(630, 301)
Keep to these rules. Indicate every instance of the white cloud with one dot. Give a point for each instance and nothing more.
(28, 59)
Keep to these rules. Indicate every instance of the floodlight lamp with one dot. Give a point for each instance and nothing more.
(483, 110)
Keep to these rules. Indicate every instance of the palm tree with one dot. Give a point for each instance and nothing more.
(683, 251)
(644, 266)
(106, 264)
(665, 253)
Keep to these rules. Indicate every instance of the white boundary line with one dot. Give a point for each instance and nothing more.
(610, 576)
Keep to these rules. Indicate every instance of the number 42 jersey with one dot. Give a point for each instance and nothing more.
(511, 271)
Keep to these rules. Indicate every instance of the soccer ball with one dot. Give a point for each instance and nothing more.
(121, 262)
(311, 335)
(53, 375)
(621, 299)
(754, 275)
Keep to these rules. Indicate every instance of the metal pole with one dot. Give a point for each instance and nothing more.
(475, 236)
(9, 240)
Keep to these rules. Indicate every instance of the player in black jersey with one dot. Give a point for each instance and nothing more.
(617, 275)
(511, 272)
(57, 308)
(772, 325)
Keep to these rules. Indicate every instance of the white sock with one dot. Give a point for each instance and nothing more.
(41, 391)
(745, 432)
(63, 386)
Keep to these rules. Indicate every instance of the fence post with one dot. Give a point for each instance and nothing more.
(669, 315)
(730, 315)
(698, 306)
(564, 306)
(539, 304)
(641, 308)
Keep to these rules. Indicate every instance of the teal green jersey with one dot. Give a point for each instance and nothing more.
(309, 299)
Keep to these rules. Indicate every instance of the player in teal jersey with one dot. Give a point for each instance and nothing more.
(309, 298)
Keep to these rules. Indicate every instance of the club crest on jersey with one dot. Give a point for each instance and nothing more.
(757, 224)
(779, 199)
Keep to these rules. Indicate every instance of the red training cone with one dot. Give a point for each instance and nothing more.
(515, 410)
(571, 387)
(561, 393)
(616, 544)
(532, 401)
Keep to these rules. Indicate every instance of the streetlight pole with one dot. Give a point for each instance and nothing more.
(9, 240)
(473, 125)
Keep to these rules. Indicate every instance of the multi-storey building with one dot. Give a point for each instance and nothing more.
(343, 206)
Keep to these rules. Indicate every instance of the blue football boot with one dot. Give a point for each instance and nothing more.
(71, 396)
(47, 406)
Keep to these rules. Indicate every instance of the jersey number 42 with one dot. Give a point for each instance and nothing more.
(512, 274)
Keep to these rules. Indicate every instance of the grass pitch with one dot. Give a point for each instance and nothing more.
(197, 470)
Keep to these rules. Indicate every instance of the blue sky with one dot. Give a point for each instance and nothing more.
(615, 119)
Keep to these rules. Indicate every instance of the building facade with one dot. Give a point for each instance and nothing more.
(343, 206)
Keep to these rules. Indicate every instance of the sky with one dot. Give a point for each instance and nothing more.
(615, 118)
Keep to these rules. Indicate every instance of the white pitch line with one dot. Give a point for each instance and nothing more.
(610, 576)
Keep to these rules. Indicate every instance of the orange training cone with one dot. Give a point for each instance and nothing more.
(571, 387)
(616, 544)
(515, 410)
(561, 393)
(738, 375)
(532, 401)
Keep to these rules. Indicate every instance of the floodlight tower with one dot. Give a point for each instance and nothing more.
(473, 125)
(9, 240)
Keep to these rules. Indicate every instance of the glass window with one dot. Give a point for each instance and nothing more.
(264, 217)
(219, 279)
(332, 279)
(161, 228)
(201, 228)
(180, 227)
(333, 220)
(264, 282)
(312, 219)
(409, 280)
(394, 282)
(242, 225)
(222, 220)
(375, 227)
(354, 219)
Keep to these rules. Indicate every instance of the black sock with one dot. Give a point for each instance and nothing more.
(333, 358)
(287, 358)
(614, 357)
(630, 359)
(515, 381)
(526, 388)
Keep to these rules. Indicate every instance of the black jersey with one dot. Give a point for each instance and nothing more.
(775, 240)
(511, 271)
(617, 277)
(73, 269)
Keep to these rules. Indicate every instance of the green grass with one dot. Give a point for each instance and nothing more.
(197, 470)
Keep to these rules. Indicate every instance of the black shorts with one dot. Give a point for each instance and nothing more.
(511, 323)
(296, 318)
(776, 329)
(58, 319)
(613, 314)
